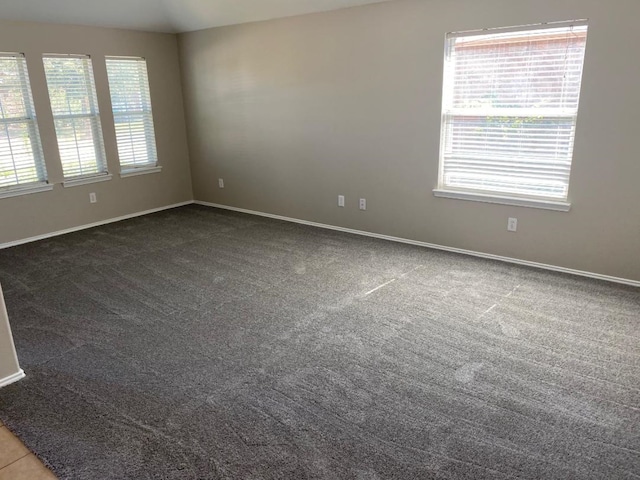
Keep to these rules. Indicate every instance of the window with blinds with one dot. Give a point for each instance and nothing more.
(510, 105)
(21, 158)
(131, 103)
(72, 93)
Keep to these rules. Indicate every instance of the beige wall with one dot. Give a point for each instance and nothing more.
(293, 112)
(36, 214)
(8, 359)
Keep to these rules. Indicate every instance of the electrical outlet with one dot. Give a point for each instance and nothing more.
(341, 200)
(512, 224)
(363, 204)
(93, 198)
(220, 183)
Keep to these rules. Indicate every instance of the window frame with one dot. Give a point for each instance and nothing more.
(130, 169)
(30, 122)
(102, 173)
(496, 196)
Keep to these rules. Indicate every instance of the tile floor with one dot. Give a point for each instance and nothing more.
(16, 462)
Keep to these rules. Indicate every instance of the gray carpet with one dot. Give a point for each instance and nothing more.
(202, 344)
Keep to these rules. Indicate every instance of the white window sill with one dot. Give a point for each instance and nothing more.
(503, 200)
(74, 182)
(7, 192)
(140, 171)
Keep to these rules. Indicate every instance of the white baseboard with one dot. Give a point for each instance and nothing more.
(598, 276)
(11, 379)
(91, 225)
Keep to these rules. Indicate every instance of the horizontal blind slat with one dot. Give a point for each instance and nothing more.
(21, 157)
(74, 104)
(131, 104)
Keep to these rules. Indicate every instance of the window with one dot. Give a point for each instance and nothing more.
(510, 105)
(72, 93)
(131, 103)
(21, 158)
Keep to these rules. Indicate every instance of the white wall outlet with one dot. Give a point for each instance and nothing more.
(220, 183)
(512, 224)
(341, 200)
(93, 198)
(363, 204)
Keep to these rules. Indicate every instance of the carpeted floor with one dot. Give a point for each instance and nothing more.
(203, 344)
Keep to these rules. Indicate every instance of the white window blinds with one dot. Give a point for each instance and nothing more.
(510, 105)
(131, 103)
(72, 93)
(21, 158)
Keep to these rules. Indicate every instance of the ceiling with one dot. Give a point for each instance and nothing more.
(163, 15)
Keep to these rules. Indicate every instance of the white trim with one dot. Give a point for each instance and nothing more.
(569, 113)
(66, 55)
(520, 28)
(124, 57)
(598, 276)
(91, 225)
(12, 378)
(503, 200)
(26, 190)
(74, 182)
(132, 172)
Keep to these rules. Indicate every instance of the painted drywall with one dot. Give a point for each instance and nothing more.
(9, 366)
(293, 112)
(62, 208)
(165, 15)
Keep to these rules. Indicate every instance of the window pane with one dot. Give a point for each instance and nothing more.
(74, 104)
(77, 145)
(17, 166)
(131, 103)
(532, 69)
(21, 158)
